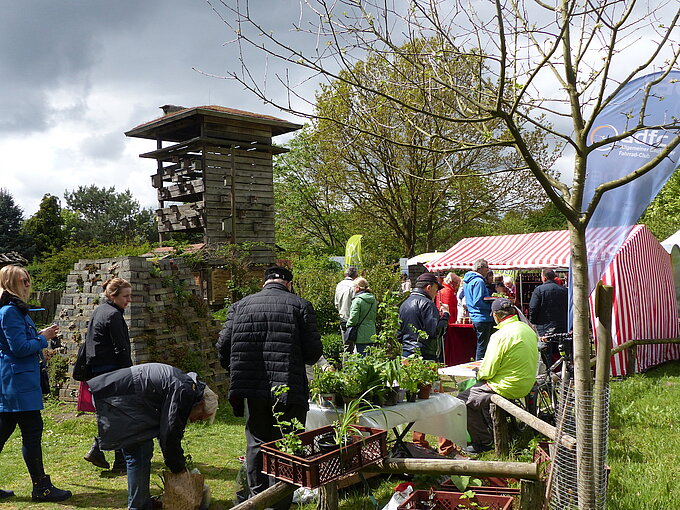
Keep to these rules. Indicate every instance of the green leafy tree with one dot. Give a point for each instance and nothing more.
(45, 227)
(102, 215)
(383, 162)
(11, 216)
(662, 216)
(310, 216)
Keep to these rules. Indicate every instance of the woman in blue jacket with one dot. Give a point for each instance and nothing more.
(20, 395)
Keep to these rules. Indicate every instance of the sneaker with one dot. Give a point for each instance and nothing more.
(477, 448)
(6, 494)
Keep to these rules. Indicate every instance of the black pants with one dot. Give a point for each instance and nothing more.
(477, 401)
(31, 426)
(261, 428)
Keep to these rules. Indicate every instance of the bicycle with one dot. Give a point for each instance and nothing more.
(547, 394)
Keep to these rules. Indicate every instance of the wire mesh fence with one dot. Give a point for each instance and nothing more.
(593, 414)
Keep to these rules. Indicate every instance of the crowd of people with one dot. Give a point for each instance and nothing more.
(268, 341)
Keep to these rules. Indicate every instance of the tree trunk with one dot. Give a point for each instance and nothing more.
(582, 375)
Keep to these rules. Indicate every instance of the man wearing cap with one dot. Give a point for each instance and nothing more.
(509, 369)
(266, 342)
(344, 293)
(418, 312)
(143, 402)
(478, 308)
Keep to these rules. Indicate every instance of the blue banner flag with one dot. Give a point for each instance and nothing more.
(621, 207)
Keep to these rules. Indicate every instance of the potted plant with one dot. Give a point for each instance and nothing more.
(325, 386)
(390, 372)
(345, 427)
(290, 441)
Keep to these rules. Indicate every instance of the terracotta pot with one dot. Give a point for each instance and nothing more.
(424, 391)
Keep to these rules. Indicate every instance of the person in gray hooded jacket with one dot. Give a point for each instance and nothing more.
(143, 402)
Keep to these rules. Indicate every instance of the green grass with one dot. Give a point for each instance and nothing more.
(644, 452)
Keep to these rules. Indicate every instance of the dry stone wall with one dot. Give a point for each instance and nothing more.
(168, 320)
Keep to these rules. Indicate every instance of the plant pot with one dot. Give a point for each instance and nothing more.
(328, 444)
(411, 397)
(378, 400)
(424, 391)
(391, 397)
(326, 399)
(401, 396)
(339, 400)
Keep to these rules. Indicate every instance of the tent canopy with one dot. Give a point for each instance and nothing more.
(424, 258)
(519, 251)
(671, 241)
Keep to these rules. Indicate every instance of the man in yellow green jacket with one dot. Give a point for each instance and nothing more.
(508, 368)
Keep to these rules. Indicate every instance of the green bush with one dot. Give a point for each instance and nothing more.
(315, 280)
(51, 272)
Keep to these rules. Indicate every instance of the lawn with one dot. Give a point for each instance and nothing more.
(644, 453)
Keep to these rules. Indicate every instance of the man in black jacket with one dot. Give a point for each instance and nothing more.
(135, 405)
(418, 312)
(549, 306)
(266, 341)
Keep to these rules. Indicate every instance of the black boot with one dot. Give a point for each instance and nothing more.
(43, 490)
(6, 494)
(96, 456)
(119, 464)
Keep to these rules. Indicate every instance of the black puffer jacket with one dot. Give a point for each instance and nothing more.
(548, 308)
(107, 342)
(142, 402)
(420, 312)
(266, 341)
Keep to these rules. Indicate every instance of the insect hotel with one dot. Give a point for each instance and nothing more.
(214, 174)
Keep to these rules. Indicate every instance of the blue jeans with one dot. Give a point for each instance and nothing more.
(483, 330)
(138, 460)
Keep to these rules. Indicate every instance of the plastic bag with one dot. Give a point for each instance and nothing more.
(303, 495)
(242, 490)
(401, 492)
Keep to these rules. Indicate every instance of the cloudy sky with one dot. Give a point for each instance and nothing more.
(76, 74)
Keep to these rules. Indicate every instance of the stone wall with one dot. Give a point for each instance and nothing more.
(168, 320)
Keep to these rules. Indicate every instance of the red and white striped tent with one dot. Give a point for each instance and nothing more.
(641, 274)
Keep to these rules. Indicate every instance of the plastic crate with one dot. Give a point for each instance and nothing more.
(444, 500)
(314, 468)
(483, 489)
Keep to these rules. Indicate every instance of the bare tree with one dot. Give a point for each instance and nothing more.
(553, 65)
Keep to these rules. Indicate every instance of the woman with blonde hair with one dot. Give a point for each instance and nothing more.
(362, 314)
(21, 398)
(107, 346)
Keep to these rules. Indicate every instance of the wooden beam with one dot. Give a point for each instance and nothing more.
(631, 343)
(522, 470)
(535, 423)
(268, 497)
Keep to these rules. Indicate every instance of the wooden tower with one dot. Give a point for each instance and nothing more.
(214, 174)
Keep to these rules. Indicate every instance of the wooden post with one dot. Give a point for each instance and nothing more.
(532, 495)
(328, 497)
(603, 310)
(631, 355)
(499, 418)
(267, 498)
